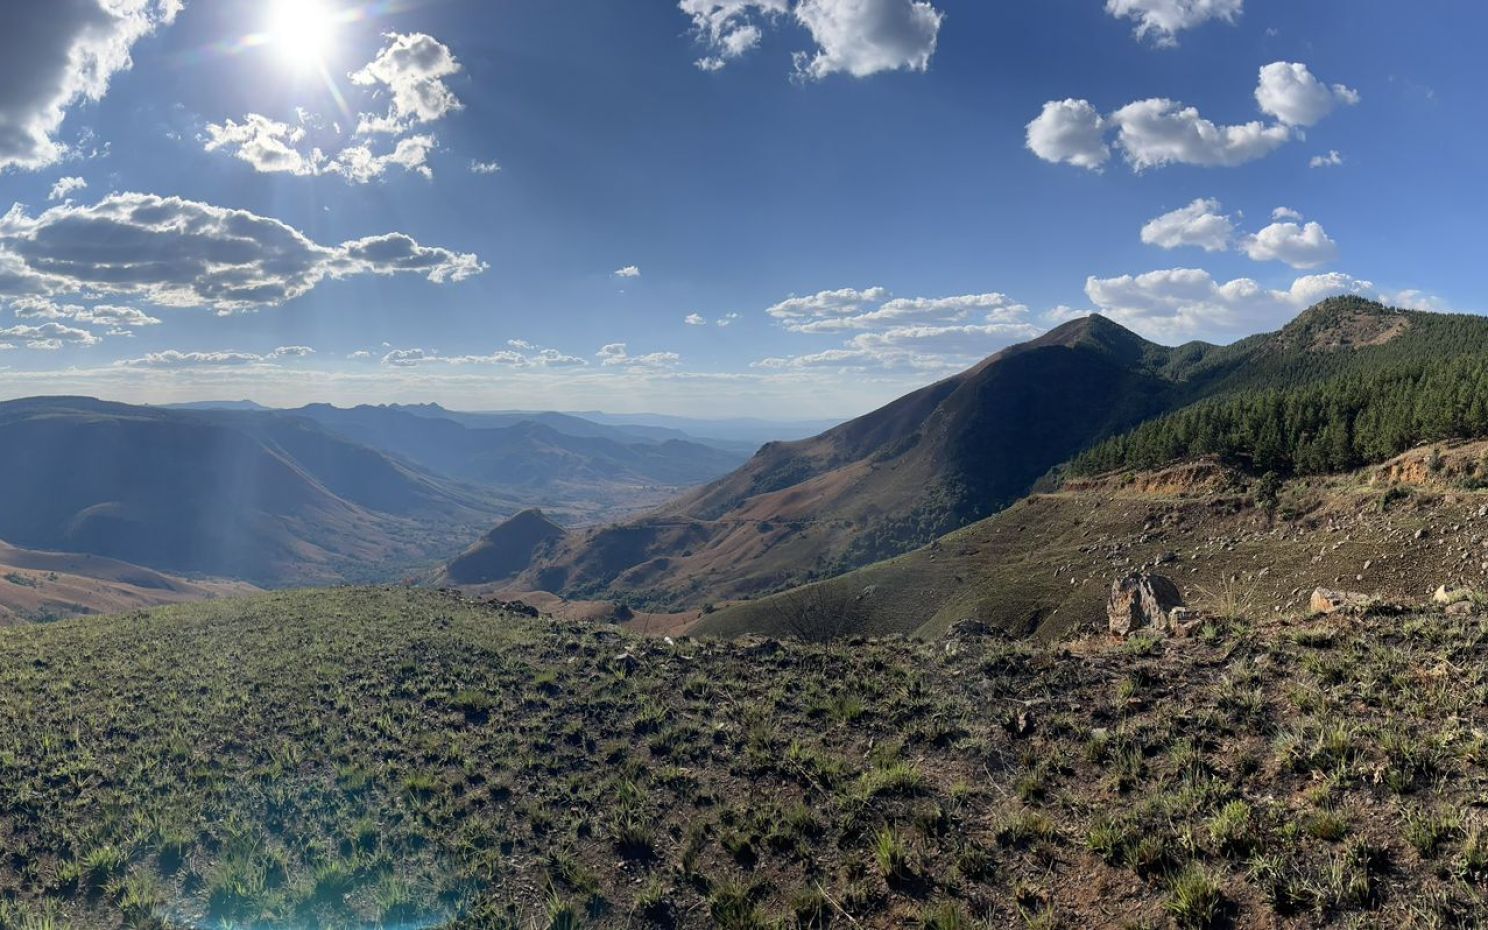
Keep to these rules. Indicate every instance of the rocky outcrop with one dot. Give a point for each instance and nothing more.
(1143, 602)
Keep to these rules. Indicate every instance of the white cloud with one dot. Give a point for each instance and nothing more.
(856, 37)
(1162, 20)
(1299, 246)
(65, 187)
(50, 336)
(865, 37)
(922, 333)
(292, 352)
(173, 358)
(629, 271)
(1285, 213)
(358, 164)
(1158, 131)
(183, 253)
(110, 315)
(43, 308)
(727, 319)
(268, 145)
(1181, 303)
(1330, 160)
(274, 147)
(1200, 224)
(55, 54)
(617, 353)
(412, 69)
(484, 167)
(543, 358)
(359, 355)
(1289, 92)
(695, 319)
(1069, 131)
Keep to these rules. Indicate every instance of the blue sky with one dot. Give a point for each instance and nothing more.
(816, 204)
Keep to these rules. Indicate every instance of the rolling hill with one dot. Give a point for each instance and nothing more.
(962, 449)
(260, 497)
(40, 586)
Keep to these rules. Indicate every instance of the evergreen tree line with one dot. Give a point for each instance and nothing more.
(1342, 423)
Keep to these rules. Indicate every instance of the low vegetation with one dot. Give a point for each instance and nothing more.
(389, 758)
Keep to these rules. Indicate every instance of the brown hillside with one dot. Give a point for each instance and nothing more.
(48, 585)
(1043, 567)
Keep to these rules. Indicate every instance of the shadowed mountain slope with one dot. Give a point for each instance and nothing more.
(262, 497)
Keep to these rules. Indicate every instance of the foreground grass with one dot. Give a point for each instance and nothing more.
(376, 758)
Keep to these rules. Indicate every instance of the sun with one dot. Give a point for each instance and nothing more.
(302, 30)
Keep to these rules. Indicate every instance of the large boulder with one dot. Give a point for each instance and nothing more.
(1142, 601)
(1325, 601)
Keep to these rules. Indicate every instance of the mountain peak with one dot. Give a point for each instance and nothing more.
(1095, 332)
(1341, 323)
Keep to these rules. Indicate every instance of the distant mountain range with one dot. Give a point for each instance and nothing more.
(313, 495)
(962, 449)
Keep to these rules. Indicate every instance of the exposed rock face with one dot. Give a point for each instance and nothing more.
(1332, 602)
(1142, 601)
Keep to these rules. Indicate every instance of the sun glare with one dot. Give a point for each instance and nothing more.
(302, 31)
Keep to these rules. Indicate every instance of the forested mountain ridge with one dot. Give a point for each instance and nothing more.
(1347, 384)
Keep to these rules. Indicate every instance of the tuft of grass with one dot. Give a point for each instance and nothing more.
(1195, 899)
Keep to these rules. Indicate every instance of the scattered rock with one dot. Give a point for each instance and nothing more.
(1142, 601)
(1460, 608)
(1449, 594)
(1325, 601)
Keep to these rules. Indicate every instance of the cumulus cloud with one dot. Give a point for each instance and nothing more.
(182, 253)
(618, 353)
(484, 167)
(1200, 224)
(411, 69)
(1330, 160)
(50, 336)
(856, 37)
(1289, 92)
(1204, 224)
(629, 271)
(1162, 20)
(695, 319)
(1301, 246)
(1156, 132)
(1180, 303)
(65, 187)
(1069, 131)
(42, 308)
(542, 358)
(883, 331)
(274, 147)
(173, 358)
(56, 54)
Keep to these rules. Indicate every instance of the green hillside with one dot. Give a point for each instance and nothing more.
(392, 758)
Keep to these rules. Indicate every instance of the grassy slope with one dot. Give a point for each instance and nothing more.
(49, 585)
(1044, 566)
(356, 757)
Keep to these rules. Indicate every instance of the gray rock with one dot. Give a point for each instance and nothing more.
(1142, 601)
